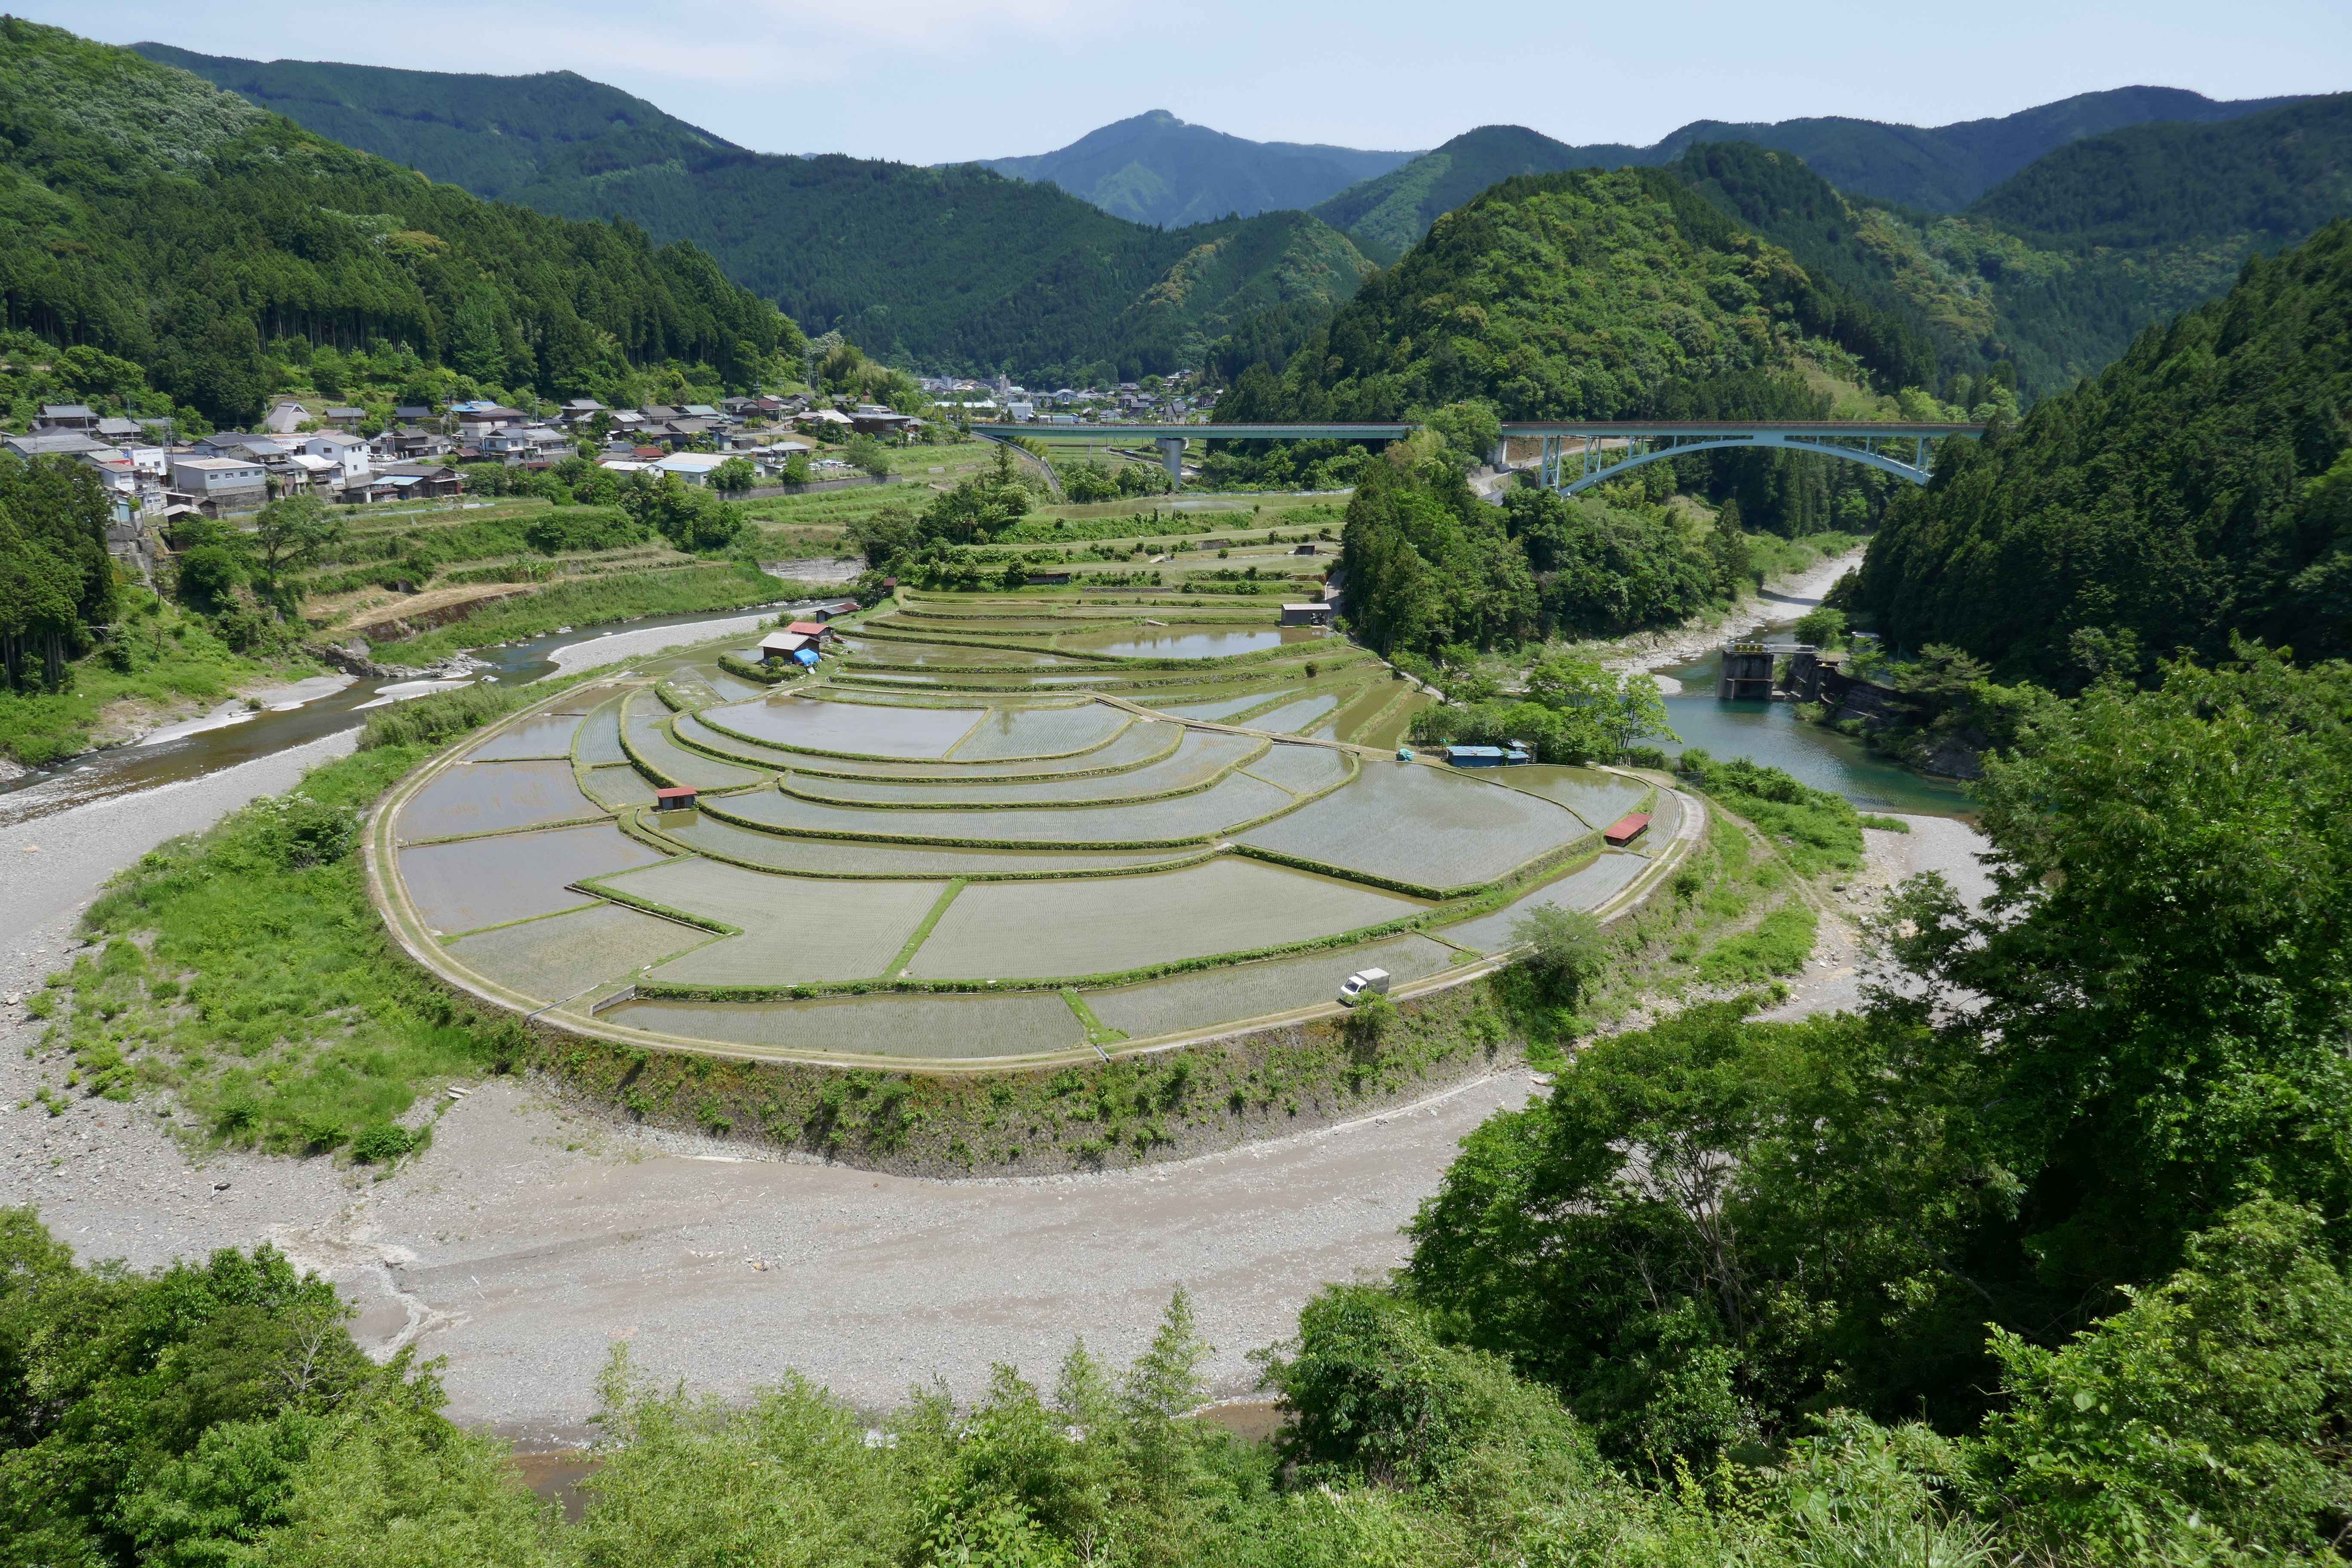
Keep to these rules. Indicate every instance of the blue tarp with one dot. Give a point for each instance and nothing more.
(805, 656)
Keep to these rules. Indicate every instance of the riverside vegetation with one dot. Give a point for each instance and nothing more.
(1732, 1292)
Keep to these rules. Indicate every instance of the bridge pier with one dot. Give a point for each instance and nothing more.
(1171, 452)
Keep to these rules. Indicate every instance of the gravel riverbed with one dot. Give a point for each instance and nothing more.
(533, 1236)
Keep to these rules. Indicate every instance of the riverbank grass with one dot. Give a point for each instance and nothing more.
(157, 658)
(595, 601)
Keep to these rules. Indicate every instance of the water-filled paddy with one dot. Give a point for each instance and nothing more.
(1200, 759)
(1294, 718)
(1026, 1022)
(858, 729)
(892, 650)
(831, 857)
(1426, 825)
(550, 736)
(563, 955)
(795, 929)
(1586, 888)
(1182, 642)
(1302, 770)
(658, 754)
(1249, 990)
(490, 881)
(1235, 799)
(1600, 798)
(1040, 733)
(486, 798)
(1002, 930)
(617, 786)
(598, 741)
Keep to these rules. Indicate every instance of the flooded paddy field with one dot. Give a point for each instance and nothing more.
(866, 859)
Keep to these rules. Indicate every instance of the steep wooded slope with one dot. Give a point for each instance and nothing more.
(147, 214)
(2199, 487)
(1937, 169)
(941, 268)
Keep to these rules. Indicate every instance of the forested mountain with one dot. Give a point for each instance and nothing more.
(949, 269)
(180, 235)
(1587, 294)
(1156, 168)
(1938, 170)
(2201, 486)
(487, 133)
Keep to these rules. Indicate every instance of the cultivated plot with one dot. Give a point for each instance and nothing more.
(894, 650)
(1201, 757)
(1040, 733)
(1040, 930)
(1600, 798)
(1303, 770)
(1135, 746)
(1586, 888)
(1249, 990)
(598, 741)
(487, 798)
(1220, 711)
(1182, 642)
(1427, 827)
(547, 736)
(856, 728)
(562, 956)
(616, 787)
(659, 755)
(1235, 799)
(489, 882)
(1294, 718)
(831, 857)
(795, 929)
(1026, 1022)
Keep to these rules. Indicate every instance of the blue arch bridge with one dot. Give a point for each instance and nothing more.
(1573, 455)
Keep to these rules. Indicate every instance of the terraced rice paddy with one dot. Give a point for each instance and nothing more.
(1115, 923)
(857, 836)
(1039, 733)
(1430, 826)
(487, 798)
(802, 723)
(1202, 757)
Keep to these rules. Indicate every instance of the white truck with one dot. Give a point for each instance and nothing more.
(1364, 983)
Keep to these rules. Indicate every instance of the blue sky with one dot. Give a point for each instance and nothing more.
(933, 81)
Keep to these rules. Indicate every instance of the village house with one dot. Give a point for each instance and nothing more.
(64, 416)
(218, 485)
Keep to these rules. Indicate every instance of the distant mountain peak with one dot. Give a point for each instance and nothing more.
(1157, 167)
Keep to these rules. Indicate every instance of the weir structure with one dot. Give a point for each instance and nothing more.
(1576, 454)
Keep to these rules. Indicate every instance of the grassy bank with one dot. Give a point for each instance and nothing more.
(592, 601)
(243, 980)
(157, 657)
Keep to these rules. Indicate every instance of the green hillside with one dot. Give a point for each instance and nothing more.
(1156, 168)
(951, 269)
(1936, 170)
(189, 242)
(1578, 295)
(487, 133)
(2199, 487)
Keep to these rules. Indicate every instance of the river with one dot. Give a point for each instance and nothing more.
(1771, 733)
(129, 768)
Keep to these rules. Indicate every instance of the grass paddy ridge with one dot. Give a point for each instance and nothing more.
(759, 755)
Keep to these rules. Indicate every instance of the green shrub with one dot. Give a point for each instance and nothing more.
(385, 1141)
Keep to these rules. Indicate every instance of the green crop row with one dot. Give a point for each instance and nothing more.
(977, 803)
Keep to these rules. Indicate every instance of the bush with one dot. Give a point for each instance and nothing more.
(385, 1141)
(429, 720)
(1567, 949)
